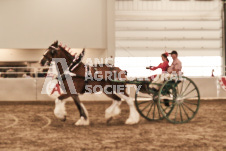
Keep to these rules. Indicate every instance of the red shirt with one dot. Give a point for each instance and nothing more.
(164, 66)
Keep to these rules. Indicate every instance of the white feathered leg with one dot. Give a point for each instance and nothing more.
(113, 110)
(82, 121)
(134, 116)
(60, 111)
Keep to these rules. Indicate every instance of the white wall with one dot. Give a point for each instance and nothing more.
(35, 24)
(21, 55)
(16, 90)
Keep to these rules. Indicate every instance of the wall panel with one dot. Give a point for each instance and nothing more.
(18, 89)
(156, 26)
(36, 23)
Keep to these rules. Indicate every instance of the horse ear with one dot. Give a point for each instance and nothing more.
(55, 44)
(83, 51)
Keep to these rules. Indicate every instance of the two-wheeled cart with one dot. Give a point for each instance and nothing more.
(176, 100)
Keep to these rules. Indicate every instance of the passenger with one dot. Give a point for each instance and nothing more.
(164, 65)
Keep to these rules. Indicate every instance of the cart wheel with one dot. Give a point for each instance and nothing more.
(183, 97)
(146, 104)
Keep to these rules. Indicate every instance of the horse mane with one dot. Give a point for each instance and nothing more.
(66, 51)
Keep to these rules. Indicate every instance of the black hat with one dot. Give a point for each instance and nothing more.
(174, 52)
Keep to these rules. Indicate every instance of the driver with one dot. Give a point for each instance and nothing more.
(176, 65)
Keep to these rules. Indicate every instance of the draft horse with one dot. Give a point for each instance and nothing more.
(79, 82)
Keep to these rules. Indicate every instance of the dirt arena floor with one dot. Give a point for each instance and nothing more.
(32, 126)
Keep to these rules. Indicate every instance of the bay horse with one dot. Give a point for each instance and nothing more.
(79, 82)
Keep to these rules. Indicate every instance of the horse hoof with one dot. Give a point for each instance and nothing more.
(110, 114)
(131, 121)
(109, 119)
(64, 119)
(82, 122)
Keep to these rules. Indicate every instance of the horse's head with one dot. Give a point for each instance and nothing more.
(49, 54)
(56, 51)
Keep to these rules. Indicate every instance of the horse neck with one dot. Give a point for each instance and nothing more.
(80, 70)
(68, 61)
(69, 58)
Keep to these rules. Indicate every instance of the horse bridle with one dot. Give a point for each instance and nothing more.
(46, 57)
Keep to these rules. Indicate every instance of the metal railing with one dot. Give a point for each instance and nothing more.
(23, 72)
